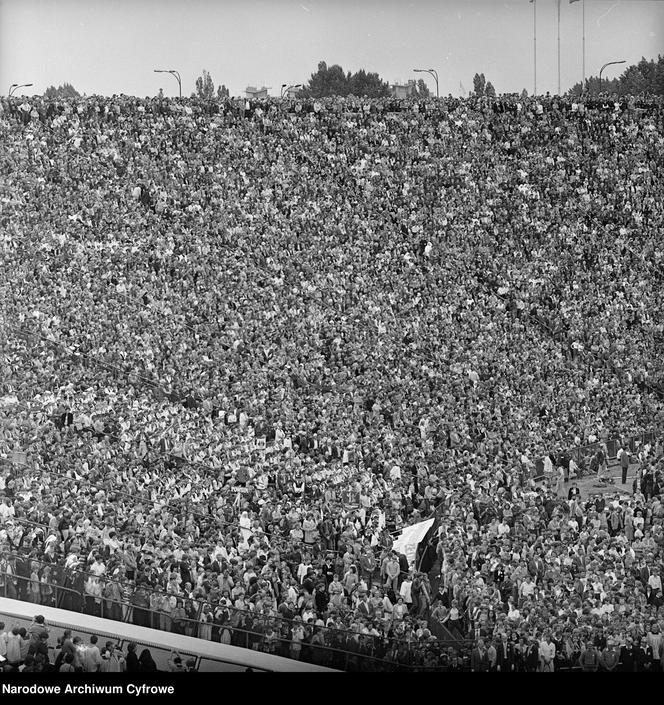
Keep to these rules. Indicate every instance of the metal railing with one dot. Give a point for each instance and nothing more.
(268, 633)
(583, 454)
(65, 596)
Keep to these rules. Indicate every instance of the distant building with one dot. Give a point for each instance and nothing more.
(403, 90)
(253, 92)
(292, 91)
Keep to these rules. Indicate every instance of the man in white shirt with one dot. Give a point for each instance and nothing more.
(98, 568)
(655, 579)
(6, 510)
(527, 588)
(291, 593)
(547, 653)
(92, 657)
(406, 591)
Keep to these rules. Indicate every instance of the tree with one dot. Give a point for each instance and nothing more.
(645, 77)
(332, 80)
(222, 92)
(490, 91)
(367, 84)
(66, 90)
(204, 87)
(479, 84)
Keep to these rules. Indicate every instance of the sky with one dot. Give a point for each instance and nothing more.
(112, 46)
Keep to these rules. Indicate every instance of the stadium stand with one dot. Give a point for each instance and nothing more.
(244, 348)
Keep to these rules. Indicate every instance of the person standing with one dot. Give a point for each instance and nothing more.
(589, 659)
(133, 665)
(112, 659)
(547, 654)
(479, 658)
(505, 656)
(67, 664)
(610, 657)
(13, 648)
(628, 656)
(367, 566)
(392, 574)
(493, 657)
(643, 657)
(654, 583)
(623, 456)
(654, 640)
(600, 463)
(92, 660)
(406, 591)
(79, 654)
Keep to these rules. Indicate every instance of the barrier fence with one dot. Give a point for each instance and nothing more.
(335, 648)
(582, 455)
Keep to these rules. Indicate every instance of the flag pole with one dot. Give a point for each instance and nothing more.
(558, 47)
(583, 20)
(583, 45)
(534, 3)
(534, 47)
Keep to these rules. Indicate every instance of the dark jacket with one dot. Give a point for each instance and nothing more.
(628, 658)
(479, 661)
(505, 656)
(133, 665)
(643, 658)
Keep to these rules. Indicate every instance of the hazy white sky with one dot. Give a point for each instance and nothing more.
(112, 46)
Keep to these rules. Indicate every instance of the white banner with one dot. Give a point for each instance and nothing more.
(410, 538)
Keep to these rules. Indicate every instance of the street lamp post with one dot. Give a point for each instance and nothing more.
(433, 72)
(287, 87)
(608, 63)
(15, 86)
(175, 75)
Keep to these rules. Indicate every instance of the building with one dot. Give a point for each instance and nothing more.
(403, 90)
(292, 91)
(256, 93)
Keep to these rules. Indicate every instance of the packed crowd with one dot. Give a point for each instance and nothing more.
(33, 650)
(245, 345)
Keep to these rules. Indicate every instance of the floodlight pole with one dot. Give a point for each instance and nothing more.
(433, 72)
(608, 63)
(176, 76)
(15, 86)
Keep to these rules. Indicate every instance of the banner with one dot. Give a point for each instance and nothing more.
(409, 539)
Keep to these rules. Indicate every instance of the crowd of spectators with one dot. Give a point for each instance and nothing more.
(33, 650)
(246, 344)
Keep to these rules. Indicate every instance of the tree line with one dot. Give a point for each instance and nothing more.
(646, 77)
